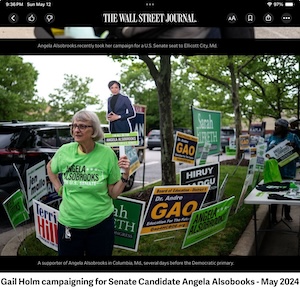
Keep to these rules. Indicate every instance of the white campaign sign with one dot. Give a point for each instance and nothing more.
(36, 182)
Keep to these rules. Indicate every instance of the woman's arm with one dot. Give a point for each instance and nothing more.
(54, 178)
(116, 189)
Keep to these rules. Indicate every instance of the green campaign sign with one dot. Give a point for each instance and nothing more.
(207, 128)
(121, 139)
(128, 215)
(207, 222)
(15, 208)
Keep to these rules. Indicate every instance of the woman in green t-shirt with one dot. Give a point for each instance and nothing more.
(91, 180)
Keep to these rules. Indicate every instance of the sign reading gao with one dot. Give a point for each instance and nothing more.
(185, 147)
(170, 207)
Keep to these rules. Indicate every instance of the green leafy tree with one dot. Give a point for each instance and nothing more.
(219, 78)
(270, 84)
(72, 97)
(18, 98)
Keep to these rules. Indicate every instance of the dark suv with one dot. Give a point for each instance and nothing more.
(24, 144)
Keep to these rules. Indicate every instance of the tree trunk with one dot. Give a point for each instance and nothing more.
(236, 106)
(162, 79)
(166, 122)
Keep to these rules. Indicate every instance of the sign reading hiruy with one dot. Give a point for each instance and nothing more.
(207, 174)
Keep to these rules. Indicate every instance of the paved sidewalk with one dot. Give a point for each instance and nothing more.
(11, 239)
(283, 240)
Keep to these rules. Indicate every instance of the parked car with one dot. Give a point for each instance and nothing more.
(226, 134)
(24, 144)
(153, 140)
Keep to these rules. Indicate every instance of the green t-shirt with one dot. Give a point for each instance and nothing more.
(86, 177)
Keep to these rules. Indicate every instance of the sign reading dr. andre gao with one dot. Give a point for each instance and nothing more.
(170, 207)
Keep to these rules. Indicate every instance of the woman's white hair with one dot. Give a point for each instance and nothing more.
(89, 116)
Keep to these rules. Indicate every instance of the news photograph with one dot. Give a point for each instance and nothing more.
(145, 149)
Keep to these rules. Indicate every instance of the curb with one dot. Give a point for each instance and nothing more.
(12, 246)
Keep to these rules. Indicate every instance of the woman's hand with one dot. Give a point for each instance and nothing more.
(124, 163)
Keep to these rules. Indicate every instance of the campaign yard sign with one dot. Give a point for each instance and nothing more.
(185, 147)
(260, 157)
(207, 222)
(207, 128)
(244, 142)
(138, 123)
(15, 208)
(36, 182)
(221, 191)
(204, 154)
(129, 214)
(170, 207)
(121, 139)
(207, 174)
(131, 153)
(46, 224)
(249, 180)
(283, 153)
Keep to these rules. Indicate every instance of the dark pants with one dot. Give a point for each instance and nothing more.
(286, 208)
(95, 241)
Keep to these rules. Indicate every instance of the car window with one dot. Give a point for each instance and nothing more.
(53, 138)
(47, 138)
(64, 136)
(15, 138)
(6, 139)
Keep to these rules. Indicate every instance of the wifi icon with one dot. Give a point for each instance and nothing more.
(269, 4)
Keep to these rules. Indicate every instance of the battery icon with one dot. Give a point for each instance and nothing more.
(289, 4)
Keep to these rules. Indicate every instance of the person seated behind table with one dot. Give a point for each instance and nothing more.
(288, 171)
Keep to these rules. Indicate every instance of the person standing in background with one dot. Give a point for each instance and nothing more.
(288, 171)
(119, 110)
